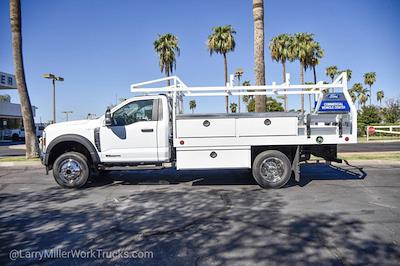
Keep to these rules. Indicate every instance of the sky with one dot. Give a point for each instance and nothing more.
(101, 47)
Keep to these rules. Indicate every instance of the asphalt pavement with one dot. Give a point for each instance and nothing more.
(336, 215)
(370, 147)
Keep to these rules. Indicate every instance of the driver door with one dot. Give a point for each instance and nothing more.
(133, 134)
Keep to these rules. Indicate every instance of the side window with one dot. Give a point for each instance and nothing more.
(133, 112)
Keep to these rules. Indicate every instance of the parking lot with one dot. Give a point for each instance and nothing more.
(335, 215)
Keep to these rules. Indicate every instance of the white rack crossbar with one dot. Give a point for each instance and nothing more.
(232, 89)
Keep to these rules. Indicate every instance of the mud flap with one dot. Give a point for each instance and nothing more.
(295, 165)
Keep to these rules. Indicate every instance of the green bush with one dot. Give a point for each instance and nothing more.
(391, 113)
(368, 115)
(272, 105)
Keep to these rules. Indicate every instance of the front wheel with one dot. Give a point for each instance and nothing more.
(271, 169)
(15, 137)
(71, 170)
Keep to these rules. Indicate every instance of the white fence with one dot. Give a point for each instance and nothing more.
(382, 129)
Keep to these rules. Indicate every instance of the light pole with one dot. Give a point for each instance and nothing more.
(238, 74)
(66, 114)
(53, 78)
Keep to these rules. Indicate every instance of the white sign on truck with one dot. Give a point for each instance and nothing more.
(151, 130)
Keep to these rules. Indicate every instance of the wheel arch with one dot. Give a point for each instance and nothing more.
(288, 150)
(70, 142)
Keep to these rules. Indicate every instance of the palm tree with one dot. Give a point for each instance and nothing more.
(31, 142)
(239, 74)
(222, 41)
(331, 72)
(247, 98)
(379, 96)
(348, 73)
(363, 96)
(316, 54)
(369, 79)
(302, 51)
(357, 90)
(167, 47)
(192, 105)
(279, 48)
(233, 107)
(353, 95)
(246, 83)
(309, 96)
(259, 64)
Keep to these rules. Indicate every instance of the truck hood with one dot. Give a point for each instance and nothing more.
(71, 125)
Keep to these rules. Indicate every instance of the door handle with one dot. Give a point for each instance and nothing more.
(147, 130)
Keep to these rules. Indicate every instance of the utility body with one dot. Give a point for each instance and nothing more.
(151, 131)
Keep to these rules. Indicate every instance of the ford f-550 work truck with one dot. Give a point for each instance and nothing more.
(151, 130)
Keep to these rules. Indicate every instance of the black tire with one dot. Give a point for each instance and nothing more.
(279, 165)
(72, 175)
(15, 137)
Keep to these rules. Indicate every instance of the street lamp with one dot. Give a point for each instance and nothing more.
(53, 78)
(66, 114)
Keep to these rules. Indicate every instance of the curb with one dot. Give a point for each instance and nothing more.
(22, 163)
(376, 162)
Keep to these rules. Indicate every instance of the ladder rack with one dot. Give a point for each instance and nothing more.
(178, 89)
(232, 89)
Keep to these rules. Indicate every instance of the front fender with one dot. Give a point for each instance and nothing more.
(72, 138)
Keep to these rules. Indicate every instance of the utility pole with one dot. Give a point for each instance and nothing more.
(53, 78)
(66, 114)
(238, 75)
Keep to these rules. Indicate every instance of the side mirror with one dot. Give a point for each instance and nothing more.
(107, 118)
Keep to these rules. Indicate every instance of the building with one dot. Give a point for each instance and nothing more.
(10, 113)
(11, 118)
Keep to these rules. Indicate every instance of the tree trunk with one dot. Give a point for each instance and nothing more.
(31, 142)
(302, 82)
(226, 81)
(259, 64)
(167, 74)
(239, 95)
(315, 75)
(370, 95)
(284, 80)
(315, 80)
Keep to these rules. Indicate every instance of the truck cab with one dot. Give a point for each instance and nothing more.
(138, 132)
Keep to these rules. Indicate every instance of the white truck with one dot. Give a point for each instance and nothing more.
(151, 131)
(19, 133)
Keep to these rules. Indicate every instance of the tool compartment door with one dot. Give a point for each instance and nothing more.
(205, 127)
(267, 126)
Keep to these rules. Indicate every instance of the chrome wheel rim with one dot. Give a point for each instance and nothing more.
(70, 170)
(272, 169)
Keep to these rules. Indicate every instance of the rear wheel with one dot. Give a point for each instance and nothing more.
(71, 170)
(271, 169)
